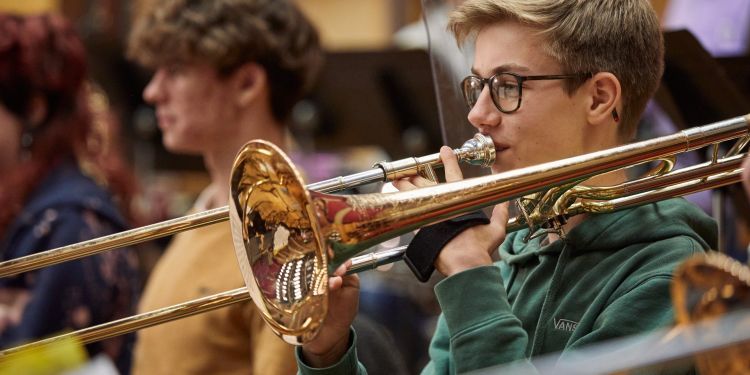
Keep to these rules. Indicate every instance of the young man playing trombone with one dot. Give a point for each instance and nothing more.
(550, 80)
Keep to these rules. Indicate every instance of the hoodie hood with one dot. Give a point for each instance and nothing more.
(602, 232)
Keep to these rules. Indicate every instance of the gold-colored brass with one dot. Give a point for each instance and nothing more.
(140, 321)
(707, 287)
(288, 239)
(478, 150)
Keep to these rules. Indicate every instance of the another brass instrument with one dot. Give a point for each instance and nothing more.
(708, 287)
(288, 238)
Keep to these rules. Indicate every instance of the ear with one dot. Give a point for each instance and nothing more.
(606, 99)
(250, 82)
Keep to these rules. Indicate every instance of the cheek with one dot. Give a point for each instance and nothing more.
(197, 111)
(212, 106)
(9, 151)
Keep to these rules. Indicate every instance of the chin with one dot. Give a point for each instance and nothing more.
(177, 148)
(500, 168)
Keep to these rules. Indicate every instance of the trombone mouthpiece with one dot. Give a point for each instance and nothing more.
(479, 150)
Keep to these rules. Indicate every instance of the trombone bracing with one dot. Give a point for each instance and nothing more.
(288, 236)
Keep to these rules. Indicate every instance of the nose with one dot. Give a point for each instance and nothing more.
(484, 113)
(154, 92)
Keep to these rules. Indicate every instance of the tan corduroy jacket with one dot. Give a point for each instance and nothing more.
(229, 340)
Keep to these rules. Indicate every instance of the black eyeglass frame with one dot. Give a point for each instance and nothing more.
(519, 80)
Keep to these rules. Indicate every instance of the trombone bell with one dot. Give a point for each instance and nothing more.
(277, 240)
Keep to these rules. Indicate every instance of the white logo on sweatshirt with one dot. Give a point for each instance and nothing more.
(565, 325)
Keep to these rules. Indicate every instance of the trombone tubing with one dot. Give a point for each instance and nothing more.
(401, 212)
(359, 264)
(474, 151)
(605, 160)
(377, 259)
(140, 321)
(183, 310)
(685, 181)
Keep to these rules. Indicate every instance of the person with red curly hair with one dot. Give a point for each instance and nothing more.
(62, 182)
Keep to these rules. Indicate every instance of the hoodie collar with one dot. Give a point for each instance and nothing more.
(616, 230)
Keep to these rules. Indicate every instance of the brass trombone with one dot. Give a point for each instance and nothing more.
(479, 151)
(287, 237)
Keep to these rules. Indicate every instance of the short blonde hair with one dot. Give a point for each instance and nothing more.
(229, 33)
(622, 37)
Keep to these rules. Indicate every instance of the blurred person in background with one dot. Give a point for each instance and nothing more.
(224, 72)
(62, 182)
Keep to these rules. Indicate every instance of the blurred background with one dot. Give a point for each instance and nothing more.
(376, 100)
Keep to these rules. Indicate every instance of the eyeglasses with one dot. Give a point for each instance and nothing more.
(505, 88)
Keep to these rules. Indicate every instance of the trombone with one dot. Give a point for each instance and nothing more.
(479, 151)
(288, 237)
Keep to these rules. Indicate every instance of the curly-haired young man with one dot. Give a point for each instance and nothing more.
(225, 72)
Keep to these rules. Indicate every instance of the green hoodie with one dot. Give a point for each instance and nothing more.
(609, 278)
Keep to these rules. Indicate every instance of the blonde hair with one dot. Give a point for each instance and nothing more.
(229, 33)
(622, 37)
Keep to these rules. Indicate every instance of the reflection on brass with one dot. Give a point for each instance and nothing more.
(277, 242)
(707, 287)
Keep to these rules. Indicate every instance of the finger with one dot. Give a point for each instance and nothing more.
(500, 214)
(498, 221)
(335, 283)
(450, 165)
(341, 269)
(350, 281)
(420, 181)
(746, 173)
(404, 185)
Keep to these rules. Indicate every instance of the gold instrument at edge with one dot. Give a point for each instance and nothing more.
(706, 288)
(288, 238)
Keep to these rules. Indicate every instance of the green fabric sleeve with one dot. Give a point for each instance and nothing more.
(477, 328)
(346, 366)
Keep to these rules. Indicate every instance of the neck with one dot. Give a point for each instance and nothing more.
(607, 179)
(219, 160)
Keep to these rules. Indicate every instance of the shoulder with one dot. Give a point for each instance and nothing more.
(68, 207)
(67, 186)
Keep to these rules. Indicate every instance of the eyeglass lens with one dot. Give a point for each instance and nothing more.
(504, 90)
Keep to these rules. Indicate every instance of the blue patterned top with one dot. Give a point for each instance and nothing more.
(68, 207)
